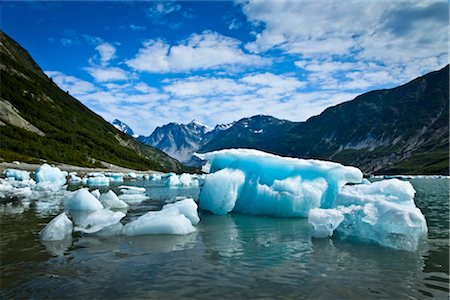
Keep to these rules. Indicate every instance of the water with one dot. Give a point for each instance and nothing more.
(232, 256)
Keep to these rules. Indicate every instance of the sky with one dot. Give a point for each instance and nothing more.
(149, 63)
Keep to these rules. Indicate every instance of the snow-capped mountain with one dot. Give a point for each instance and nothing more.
(181, 141)
(123, 127)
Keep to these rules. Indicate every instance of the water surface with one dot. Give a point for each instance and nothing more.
(231, 256)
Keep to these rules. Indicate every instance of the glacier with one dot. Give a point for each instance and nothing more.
(254, 182)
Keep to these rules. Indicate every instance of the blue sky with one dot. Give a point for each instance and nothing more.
(149, 63)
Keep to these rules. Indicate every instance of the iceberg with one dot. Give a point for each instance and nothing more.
(175, 218)
(110, 200)
(98, 220)
(115, 177)
(82, 200)
(48, 174)
(98, 181)
(159, 222)
(58, 229)
(17, 174)
(254, 182)
(155, 177)
(127, 189)
(187, 207)
(74, 179)
(96, 193)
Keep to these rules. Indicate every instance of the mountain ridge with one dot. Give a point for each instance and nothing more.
(65, 131)
(414, 141)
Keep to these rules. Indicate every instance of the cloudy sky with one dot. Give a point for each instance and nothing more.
(149, 63)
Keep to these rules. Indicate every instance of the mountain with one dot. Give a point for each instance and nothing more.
(181, 141)
(123, 127)
(40, 121)
(404, 130)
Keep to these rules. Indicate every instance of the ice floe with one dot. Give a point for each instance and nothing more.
(57, 229)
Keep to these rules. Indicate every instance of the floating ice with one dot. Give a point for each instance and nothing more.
(99, 220)
(58, 229)
(110, 200)
(17, 174)
(382, 212)
(155, 177)
(98, 181)
(159, 222)
(47, 174)
(126, 189)
(115, 177)
(133, 198)
(96, 193)
(74, 179)
(254, 182)
(220, 191)
(173, 180)
(82, 200)
(132, 175)
(187, 207)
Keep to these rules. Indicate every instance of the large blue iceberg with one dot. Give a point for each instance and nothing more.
(258, 183)
(254, 182)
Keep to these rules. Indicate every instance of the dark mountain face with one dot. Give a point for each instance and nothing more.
(181, 140)
(400, 130)
(40, 121)
(123, 127)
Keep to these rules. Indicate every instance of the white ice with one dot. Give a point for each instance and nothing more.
(99, 220)
(57, 229)
(110, 200)
(98, 181)
(96, 193)
(127, 189)
(46, 175)
(82, 200)
(159, 222)
(382, 212)
(17, 174)
(254, 182)
(187, 207)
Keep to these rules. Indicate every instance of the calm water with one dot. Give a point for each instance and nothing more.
(232, 256)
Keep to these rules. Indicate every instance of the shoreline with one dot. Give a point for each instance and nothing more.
(71, 168)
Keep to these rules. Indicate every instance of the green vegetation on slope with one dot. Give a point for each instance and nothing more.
(73, 133)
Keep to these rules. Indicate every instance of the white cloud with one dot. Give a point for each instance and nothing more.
(105, 74)
(203, 86)
(394, 34)
(163, 8)
(106, 51)
(208, 50)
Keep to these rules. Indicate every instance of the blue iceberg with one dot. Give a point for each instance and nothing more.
(253, 182)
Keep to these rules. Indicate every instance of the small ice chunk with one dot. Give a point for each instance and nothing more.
(324, 221)
(99, 220)
(110, 200)
(126, 189)
(188, 180)
(96, 193)
(155, 177)
(74, 179)
(133, 198)
(82, 200)
(187, 207)
(173, 180)
(221, 190)
(132, 175)
(58, 229)
(98, 181)
(159, 222)
(115, 177)
(48, 174)
(17, 174)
